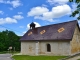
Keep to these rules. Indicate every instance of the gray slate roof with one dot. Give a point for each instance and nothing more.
(51, 32)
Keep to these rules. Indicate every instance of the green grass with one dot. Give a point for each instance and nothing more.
(25, 57)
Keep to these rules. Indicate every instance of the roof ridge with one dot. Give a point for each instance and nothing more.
(57, 23)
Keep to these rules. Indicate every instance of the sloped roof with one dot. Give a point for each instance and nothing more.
(60, 31)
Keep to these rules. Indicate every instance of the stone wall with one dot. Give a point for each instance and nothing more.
(57, 48)
(28, 48)
(75, 43)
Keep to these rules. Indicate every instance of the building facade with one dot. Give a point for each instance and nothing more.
(57, 39)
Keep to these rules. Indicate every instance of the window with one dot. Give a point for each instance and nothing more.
(48, 48)
(61, 30)
(43, 31)
(29, 33)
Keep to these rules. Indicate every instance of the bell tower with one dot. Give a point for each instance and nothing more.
(32, 25)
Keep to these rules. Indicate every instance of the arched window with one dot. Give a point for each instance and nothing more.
(48, 48)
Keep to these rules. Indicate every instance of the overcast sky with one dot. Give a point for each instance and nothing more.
(16, 15)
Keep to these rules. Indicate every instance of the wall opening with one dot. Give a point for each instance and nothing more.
(48, 48)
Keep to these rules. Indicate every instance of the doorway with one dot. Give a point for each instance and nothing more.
(48, 48)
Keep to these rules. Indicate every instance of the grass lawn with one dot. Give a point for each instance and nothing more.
(26, 57)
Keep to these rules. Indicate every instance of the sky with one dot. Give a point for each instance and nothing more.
(16, 15)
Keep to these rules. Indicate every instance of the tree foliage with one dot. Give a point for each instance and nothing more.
(77, 11)
(7, 39)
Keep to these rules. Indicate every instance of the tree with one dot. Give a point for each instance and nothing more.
(7, 39)
(14, 40)
(77, 11)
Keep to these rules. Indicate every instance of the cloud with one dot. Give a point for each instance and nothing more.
(37, 25)
(35, 11)
(18, 17)
(21, 26)
(1, 1)
(58, 11)
(1, 12)
(14, 3)
(60, 2)
(20, 13)
(43, 13)
(7, 20)
(11, 8)
(44, 5)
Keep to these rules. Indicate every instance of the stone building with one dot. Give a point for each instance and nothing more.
(55, 39)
